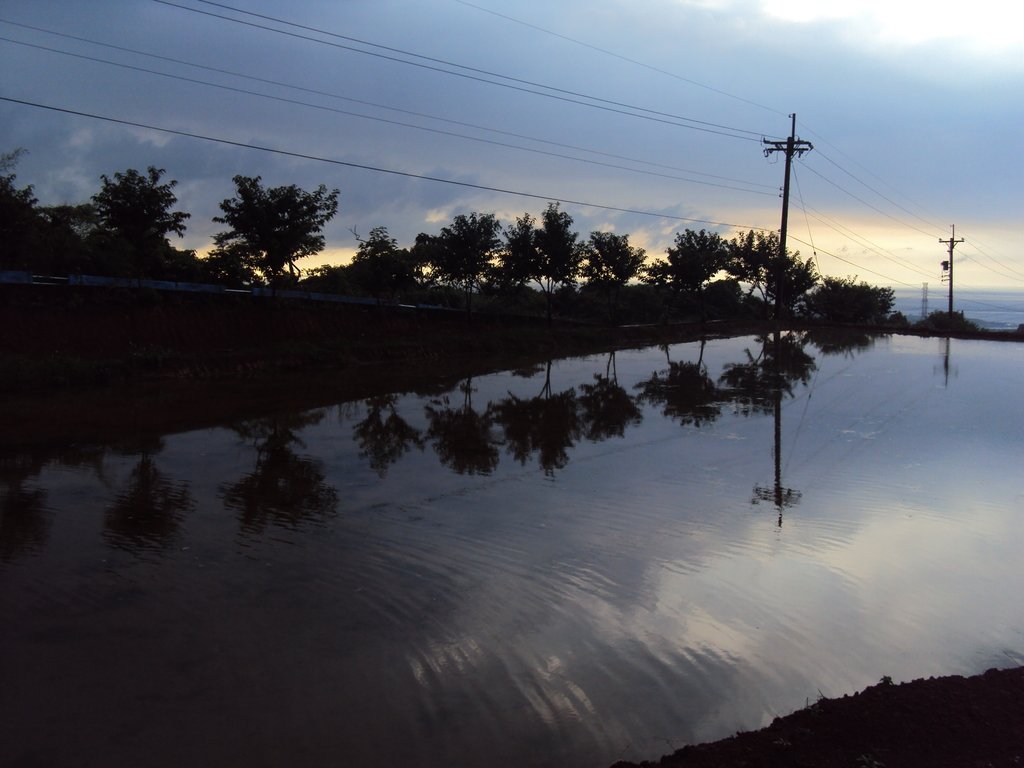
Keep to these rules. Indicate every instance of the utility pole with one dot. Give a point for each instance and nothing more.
(947, 266)
(791, 146)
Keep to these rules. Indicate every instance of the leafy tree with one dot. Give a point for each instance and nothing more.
(271, 228)
(692, 262)
(558, 254)
(841, 300)
(517, 261)
(135, 214)
(461, 255)
(19, 218)
(755, 260)
(611, 262)
(380, 268)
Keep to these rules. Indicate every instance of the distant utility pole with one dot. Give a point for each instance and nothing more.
(791, 146)
(947, 266)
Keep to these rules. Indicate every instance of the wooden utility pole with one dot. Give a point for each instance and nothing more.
(947, 266)
(791, 146)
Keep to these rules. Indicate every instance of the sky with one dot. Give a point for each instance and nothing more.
(643, 117)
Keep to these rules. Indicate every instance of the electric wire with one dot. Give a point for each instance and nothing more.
(825, 141)
(619, 56)
(348, 113)
(803, 207)
(551, 92)
(375, 105)
(866, 203)
(974, 244)
(849, 234)
(864, 242)
(376, 169)
(847, 261)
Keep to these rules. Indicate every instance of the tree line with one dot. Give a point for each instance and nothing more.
(534, 265)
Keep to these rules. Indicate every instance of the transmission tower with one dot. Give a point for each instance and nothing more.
(924, 300)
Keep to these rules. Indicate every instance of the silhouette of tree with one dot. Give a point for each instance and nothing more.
(694, 260)
(461, 255)
(517, 260)
(842, 300)
(384, 436)
(148, 512)
(19, 218)
(610, 263)
(558, 254)
(754, 259)
(271, 228)
(135, 216)
(605, 407)
(380, 268)
(283, 489)
(462, 436)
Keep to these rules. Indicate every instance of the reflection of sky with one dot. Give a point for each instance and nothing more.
(635, 595)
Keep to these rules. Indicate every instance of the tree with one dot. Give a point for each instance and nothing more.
(611, 262)
(692, 262)
(517, 261)
(380, 268)
(461, 255)
(135, 215)
(19, 218)
(558, 254)
(755, 260)
(271, 228)
(842, 300)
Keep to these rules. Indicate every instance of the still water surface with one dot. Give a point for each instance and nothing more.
(602, 558)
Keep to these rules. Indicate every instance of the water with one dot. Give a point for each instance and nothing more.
(997, 310)
(600, 559)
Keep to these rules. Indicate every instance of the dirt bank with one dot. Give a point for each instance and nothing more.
(950, 721)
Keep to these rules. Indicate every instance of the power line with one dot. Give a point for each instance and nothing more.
(865, 202)
(550, 92)
(348, 113)
(864, 242)
(619, 56)
(870, 173)
(332, 95)
(376, 169)
(852, 264)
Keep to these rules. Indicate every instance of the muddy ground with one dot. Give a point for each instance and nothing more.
(959, 722)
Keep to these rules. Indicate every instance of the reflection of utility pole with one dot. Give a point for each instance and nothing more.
(790, 146)
(947, 266)
(779, 496)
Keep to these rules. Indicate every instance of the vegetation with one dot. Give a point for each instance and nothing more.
(272, 228)
(532, 266)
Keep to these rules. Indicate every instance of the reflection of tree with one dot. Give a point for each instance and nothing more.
(24, 518)
(148, 512)
(754, 384)
(758, 386)
(837, 341)
(685, 391)
(607, 408)
(461, 436)
(283, 489)
(24, 525)
(384, 436)
(548, 425)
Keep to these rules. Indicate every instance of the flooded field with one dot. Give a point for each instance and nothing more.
(601, 558)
